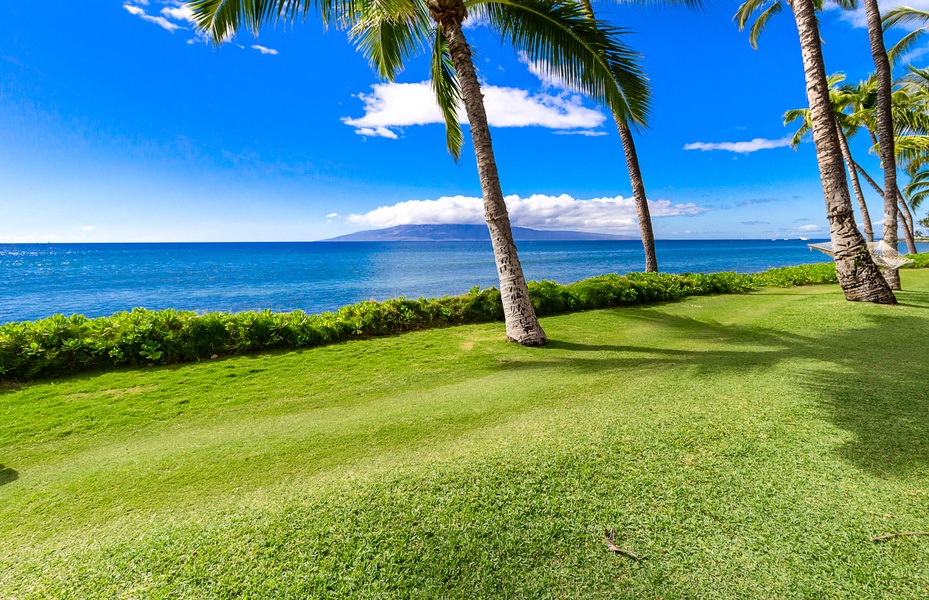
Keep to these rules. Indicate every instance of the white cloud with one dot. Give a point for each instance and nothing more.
(178, 13)
(160, 21)
(393, 105)
(537, 211)
(584, 132)
(809, 227)
(740, 147)
(376, 132)
(913, 55)
(264, 50)
(89, 228)
(332, 215)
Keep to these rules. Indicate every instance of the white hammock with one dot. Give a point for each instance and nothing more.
(884, 255)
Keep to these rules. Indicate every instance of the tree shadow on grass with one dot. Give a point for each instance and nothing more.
(871, 380)
(7, 475)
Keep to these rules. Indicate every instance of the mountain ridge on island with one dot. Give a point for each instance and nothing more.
(467, 233)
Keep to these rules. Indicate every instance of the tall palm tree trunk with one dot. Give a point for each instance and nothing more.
(638, 194)
(635, 179)
(908, 231)
(856, 184)
(859, 277)
(908, 228)
(522, 325)
(885, 130)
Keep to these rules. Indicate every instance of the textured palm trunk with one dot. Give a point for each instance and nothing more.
(859, 277)
(635, 180)
(522, 325)
(856, 184)
(638, 194)
(908, 230)
(885, 129)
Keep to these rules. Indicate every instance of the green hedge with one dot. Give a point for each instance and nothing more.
(920, 261)
(61, 345)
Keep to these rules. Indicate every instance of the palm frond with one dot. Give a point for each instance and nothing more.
(917, 190)
(904, 15)
(760, 23)
(910, 121)
(912, 151)
(797, 113)
(585, 53)
(916, 82)
(748, 8)
(799, 135)
(447, 92)
(921, 177)
(388, 39)
(222, 19)
(917, 198)
(904, 45)
(802, 114)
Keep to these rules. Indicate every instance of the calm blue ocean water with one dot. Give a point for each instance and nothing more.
(38, 280)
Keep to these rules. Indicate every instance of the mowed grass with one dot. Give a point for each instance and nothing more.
(741, 446)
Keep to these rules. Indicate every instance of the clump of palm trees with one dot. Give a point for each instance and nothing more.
(566, 39)
(854, 107)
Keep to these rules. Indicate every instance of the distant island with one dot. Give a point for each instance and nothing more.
(466, 233)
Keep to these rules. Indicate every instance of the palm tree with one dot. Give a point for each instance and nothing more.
(861, 99)
(632, 165)
(635, 178)
(585, 53)
(885, 130)
(843, 125)
(859, 277)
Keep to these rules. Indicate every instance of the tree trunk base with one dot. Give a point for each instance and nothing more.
(532, 342)
(862, 281)
(892, 277)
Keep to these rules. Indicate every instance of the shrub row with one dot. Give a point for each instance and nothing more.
(814, 274)
(60, 345)
(920, 261)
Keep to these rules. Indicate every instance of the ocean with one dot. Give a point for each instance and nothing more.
(39, 280)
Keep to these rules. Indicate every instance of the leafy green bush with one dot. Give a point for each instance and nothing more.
(61, 345)
(814, 274)
(920, 261)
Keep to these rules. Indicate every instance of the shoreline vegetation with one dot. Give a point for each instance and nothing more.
(62, 345)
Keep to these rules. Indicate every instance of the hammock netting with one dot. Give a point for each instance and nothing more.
(884, 255)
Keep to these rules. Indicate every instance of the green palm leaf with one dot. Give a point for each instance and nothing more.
(584, 53)
(904, 15)
(904, 45)
(447, 93)
(760, 23)
(388, 39)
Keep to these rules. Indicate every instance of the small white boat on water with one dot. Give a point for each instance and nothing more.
(803, 238)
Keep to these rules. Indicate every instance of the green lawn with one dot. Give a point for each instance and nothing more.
(742, 446)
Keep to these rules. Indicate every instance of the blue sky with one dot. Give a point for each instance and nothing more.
(118, 123)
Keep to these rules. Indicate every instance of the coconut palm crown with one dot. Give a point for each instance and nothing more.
(587, 54)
